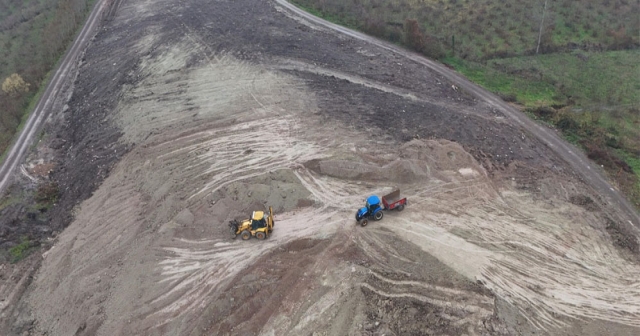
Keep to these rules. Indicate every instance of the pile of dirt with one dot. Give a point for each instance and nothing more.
(416, 161)
(400, 171)
(279, 189)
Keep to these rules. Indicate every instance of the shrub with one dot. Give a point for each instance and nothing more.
(47, 192)
(375, 27)
(509, 97)
(568, 124)
(544, 112)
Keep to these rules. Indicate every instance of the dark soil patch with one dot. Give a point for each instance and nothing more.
(622, 236)
(585, 202)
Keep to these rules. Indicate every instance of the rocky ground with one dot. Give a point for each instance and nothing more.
(187, 114)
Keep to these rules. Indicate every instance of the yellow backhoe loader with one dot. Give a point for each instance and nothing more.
(260, 225)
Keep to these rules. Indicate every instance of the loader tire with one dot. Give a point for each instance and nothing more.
(245, 235)
(364, 222)
(261, 235)
(378, 215)
(400, 207)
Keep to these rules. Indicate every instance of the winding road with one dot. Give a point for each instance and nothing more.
(63, 73)
(576, 159)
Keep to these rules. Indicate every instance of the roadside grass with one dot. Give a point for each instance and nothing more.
(511, 88)
(585, 82)
(584, 79)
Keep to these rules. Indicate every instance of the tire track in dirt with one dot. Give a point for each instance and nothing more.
(290, 65)
(531, 257)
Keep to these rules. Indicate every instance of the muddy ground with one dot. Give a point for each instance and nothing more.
(187, 114)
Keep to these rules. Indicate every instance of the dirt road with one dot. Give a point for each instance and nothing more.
(62, 76)
(592, 174)
(193, 119)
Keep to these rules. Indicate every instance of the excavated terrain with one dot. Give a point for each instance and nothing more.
(188, 114)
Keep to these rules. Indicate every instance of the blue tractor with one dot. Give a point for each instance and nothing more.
(372, 209)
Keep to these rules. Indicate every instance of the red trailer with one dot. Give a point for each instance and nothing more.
(393, 201)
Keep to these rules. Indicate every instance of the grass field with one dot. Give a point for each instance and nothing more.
(576, 70)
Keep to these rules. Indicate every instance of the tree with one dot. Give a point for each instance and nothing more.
(416, 40)
(14, 85)
(413, 36)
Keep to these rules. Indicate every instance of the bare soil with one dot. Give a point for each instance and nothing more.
(187, 115)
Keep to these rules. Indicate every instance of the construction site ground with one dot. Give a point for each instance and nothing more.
(188, 114)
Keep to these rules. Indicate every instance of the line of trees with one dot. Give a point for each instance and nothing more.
(33, 37)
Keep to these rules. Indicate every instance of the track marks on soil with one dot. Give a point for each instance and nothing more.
(421, 290)
(187, 90)
(194, 270)
(291, 65)
(552, 259)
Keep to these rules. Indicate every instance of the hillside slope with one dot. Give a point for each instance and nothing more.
(193, 119)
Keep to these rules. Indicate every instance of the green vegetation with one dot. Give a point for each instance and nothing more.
(33, 36)
(8, 201)
(21, 250)
(511, 88)
(601, 79)
(47, 192)
(576, 70)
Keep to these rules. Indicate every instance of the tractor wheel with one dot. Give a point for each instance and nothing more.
(261, 235)
(364, 222)
(400, 207)
(245, 235)
(378, 215)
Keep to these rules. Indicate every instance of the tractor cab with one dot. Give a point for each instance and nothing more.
(372, 206)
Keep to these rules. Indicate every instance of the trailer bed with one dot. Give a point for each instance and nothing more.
(393, 201)
(392, 197)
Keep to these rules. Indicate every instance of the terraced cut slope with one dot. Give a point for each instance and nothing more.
(195, 113)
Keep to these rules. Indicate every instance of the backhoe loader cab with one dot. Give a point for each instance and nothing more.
(257, 220)
(259, 226)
